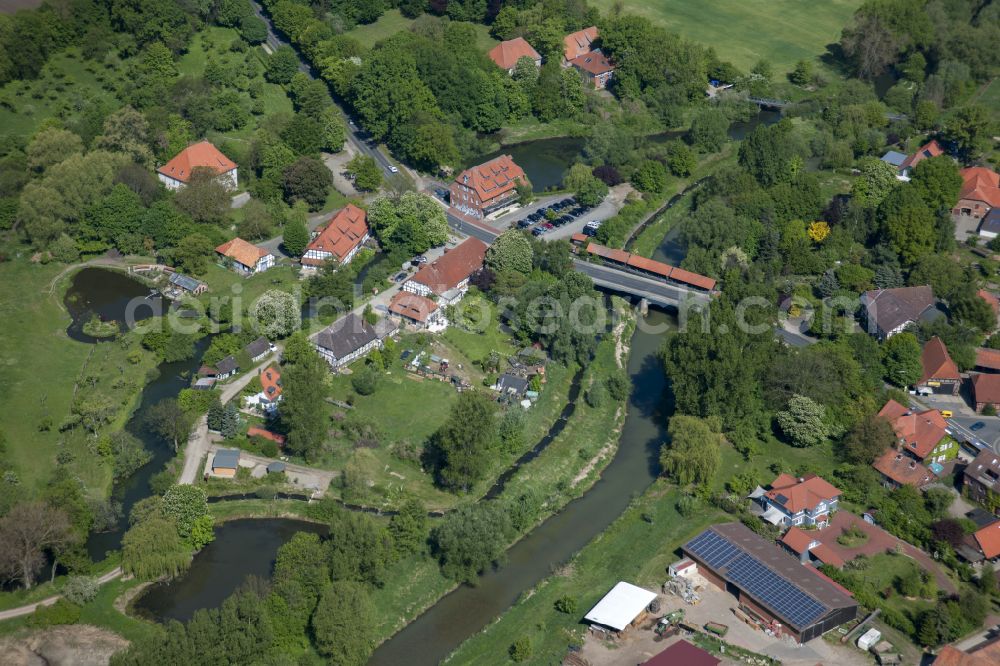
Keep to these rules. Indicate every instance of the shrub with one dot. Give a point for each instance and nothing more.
(61, 612)
(365, 381)
(566, 605)
(81, 589)
(520, 650)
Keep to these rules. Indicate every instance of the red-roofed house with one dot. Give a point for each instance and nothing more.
(506, 54)
(922, 436)
(340, 239)
(980, 192)
(808, 500)
(809, 548)
(986, 390)
(988, 539)
(926, 151)
(176, 173)
(245, 258)
(578, 43)
(488, 187)
(595, 68)
(984, 654)
(419, 311)
(448, 276)
(987, 360)
(270, 391)
(683, 653)
(901, 470)
(940, 372)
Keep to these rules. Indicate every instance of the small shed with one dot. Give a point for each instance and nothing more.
(226, 462)
(683, 567)
(512, 384)
(188, 284)
(275, 467)
(620, 607)
(204, 383)
(227, 367)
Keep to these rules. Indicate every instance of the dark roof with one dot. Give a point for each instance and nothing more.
(991, 221)
(184, 282)
(258, 347)
(346, 335)
(227, 365)
(683, 653)
(985, 469)
(275, 467)
(226, 459)
(776, 580)
(891, 308)
(514, 383)
(894, 158)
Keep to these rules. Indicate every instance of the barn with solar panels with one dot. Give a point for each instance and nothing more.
(788, 598)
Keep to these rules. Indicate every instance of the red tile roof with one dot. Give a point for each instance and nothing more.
(452, 267)
(985, 656)
(657, 267)
(926, 151)
(797, 539)
(345, 231)
(988, 539)
(270, 381)
(980, 184)
(683, 653)
(701, 281)
(919, 432)
(412, 306)
(257, 431)
(801, 494)
(594, 63)
(937, 362)
(579, 238)
(619, 256)
(988, 358)
(991, 300)
(491, 179)
(986, 388)
(903, 470)
(506, 54)
(579, 42)
(245, 253)
(825, 554)
(202, 154)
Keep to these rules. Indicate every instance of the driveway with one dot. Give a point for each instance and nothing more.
(306, 478)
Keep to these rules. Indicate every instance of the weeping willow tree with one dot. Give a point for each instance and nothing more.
(152, 548)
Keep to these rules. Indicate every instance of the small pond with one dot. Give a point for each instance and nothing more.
(110, 296)
(242, 548)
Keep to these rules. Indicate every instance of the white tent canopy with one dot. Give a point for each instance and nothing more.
(620, 606)
(773, 515)
(757, 492)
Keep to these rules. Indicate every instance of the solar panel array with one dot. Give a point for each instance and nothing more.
(712, 549)
(786, 600)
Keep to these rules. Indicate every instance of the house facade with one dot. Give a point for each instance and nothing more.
(595, 68)
(805, 501)
(980, 193)
(418, 311)
(176, 173)
(981, 479)
(270, 392)
(340, 239)
(930, 149)
(986, 391)
(578, 43)
(258, 349)
(890, 311)
(940, 374)
(488, 187)
(245, 258)
(922, 436)
(350, 338)
(507, 54)
(447, 278)
(226, 368)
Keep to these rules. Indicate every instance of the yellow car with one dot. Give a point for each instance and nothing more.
(946, 413)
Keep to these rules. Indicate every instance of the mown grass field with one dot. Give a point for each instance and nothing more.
(782, 31)
(392, 22)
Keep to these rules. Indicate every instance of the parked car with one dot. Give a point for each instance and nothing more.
(419, 259)
(399, 277)
(393, 168)
(524, 224)
(978, 425)
(537, 231)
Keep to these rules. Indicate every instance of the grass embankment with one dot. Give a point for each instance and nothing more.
(781, 31)
(637, 548)
(650, 237)
(45, 371)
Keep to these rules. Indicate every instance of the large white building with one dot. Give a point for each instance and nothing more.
(176, 173)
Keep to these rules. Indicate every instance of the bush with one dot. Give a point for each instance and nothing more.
(566, 605)
(619, 386)
(595, 395)
(520, 650)
(61, 612)
(365, 381)
(81, 589)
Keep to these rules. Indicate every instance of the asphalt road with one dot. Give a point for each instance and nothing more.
(637, 284)
(355, 135)
(988, 436)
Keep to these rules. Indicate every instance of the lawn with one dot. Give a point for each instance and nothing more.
(392, 22)
(66, 84)
(782, 31)
(43, 367)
